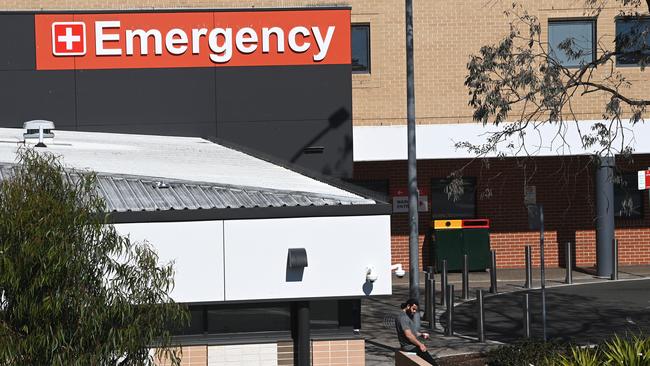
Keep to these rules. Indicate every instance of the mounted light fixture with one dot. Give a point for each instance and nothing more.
(297, 258)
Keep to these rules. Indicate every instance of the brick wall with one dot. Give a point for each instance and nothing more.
(344, 352)
(565, 186)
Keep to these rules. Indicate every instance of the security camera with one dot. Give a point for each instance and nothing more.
(399, 272)
(371, 274)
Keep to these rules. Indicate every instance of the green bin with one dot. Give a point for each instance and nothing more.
(452, 239)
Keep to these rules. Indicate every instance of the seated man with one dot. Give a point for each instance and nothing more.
(408, 334)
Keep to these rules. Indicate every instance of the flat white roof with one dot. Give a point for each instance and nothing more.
(184, 158)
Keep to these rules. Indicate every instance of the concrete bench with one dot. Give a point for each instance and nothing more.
(409, 359)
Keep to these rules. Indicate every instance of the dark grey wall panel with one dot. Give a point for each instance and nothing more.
(282, 93)
(282, 111)
(26, 95)
(288, 140)
(175, 128)
(167, 98)
(277, 110)
(17, 51)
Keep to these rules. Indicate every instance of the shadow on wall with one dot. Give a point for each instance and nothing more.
(335, 121)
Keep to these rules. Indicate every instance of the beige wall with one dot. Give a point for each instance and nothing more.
(446, 33)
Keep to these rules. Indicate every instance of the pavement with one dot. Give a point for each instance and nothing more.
(587, 311)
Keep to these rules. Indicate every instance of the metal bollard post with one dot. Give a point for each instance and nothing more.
(526, 316)
(493, 272)
(615, 259)
(529, 267)
(431, 308)
(481, 316)
(569, 264)
(450, 311)
(427, 296)
(443, 283)
(465, 277)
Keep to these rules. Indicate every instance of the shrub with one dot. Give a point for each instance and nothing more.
(630, 351)
(525, 353)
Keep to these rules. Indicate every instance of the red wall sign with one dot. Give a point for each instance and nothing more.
(168, 40)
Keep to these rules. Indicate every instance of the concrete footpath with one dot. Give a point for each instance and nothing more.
(378, 313)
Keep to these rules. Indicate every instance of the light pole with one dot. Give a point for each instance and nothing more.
(414, 271)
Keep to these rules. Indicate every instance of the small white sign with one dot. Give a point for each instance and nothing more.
(530, 195)
(644, 179)
(401, 204)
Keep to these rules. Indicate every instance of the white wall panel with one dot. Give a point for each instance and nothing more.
(438, 141)
(338, 250)
(196, 248)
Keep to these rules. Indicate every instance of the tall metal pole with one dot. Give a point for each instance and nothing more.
(414, 272)
(543, 270)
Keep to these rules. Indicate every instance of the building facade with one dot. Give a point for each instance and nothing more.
(365, 143)
(445, 35)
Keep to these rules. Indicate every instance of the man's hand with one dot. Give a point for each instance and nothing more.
(423, 348)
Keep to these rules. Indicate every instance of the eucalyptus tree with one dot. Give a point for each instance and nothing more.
(520, 85)
(75, 292)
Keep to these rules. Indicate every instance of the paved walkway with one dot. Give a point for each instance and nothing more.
(378, 312)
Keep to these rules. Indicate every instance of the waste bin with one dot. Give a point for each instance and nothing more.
(452, 239)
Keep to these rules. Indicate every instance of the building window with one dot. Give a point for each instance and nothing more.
(447, 205)
(572, 42)
(632, 41)
(361, 48)
(628, 200)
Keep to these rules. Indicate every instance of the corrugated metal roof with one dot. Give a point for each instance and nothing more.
(124, 193)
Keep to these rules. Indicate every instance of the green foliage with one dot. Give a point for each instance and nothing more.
(525, 353)
(632, 351)
(74, 292)
(519, 81)
(578, 356)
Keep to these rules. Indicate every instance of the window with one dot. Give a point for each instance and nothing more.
(571, 42)
(628, 200)
(632, 41)
(444, 206)
(361, 48)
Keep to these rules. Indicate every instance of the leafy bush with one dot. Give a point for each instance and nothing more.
(525, 353)
(578, 356)
(631, 351)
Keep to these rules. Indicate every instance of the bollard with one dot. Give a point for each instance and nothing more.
(431, 307)
(465, 277)
(615, 260)
(450, 311)
(529, 267)
(526, 316)
(481, 316)
(493, 272)
(568, 279)
(427, 294)
(443, 283)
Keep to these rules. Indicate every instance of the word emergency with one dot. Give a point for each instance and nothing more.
(222, 42)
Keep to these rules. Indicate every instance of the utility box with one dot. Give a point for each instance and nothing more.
(452, 239)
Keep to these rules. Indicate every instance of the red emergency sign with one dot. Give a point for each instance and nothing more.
(192, 39)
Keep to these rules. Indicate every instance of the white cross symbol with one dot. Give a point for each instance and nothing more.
(68, 38)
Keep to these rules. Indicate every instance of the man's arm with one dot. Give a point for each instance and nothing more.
(413, 339)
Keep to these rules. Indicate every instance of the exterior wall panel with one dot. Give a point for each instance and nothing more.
(339, 249)
(197, 251)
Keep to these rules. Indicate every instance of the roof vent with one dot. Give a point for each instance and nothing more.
(38, 129)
